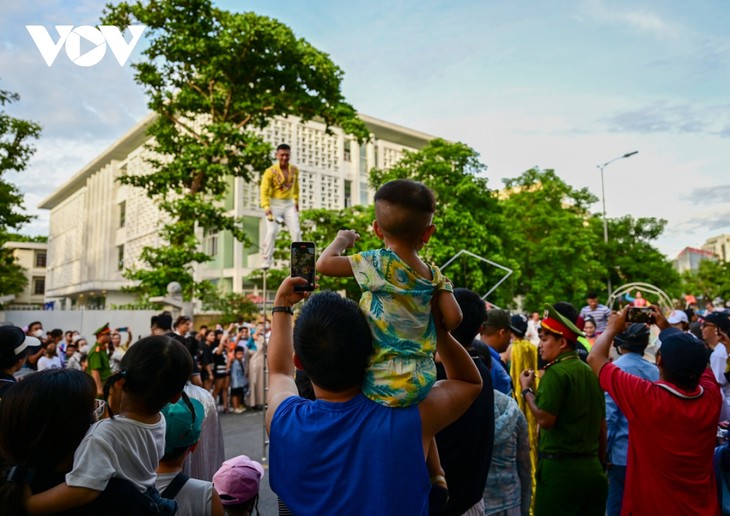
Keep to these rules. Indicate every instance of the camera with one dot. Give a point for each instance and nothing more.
(640, 315)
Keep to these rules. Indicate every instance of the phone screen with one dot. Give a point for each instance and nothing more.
(302, 263)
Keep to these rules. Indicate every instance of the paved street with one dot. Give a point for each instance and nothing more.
(243, 435)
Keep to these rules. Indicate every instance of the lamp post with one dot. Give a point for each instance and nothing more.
(603, 198)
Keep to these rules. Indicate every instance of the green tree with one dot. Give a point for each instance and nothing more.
(15, 151)
(216, 79)
(631, 254)
(467, 217)
(709, 281)
(231, 305)
(549, 222)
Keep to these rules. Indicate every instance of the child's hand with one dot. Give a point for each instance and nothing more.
(348, 237)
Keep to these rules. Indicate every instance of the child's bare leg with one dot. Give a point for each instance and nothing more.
(439, 495)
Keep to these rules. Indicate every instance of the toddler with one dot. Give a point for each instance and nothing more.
(398, 288)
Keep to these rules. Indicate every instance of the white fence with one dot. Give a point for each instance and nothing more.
(85, 321)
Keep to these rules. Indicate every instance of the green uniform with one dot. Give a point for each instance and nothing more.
(99, 360)
(569, 477)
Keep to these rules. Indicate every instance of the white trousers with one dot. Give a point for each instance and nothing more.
(287, 210)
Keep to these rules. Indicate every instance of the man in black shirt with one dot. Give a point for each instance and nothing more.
(465, 447)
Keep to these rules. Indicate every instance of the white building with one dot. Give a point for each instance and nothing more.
(689, 259)
(31, 256)
(98, 226)
(719, 246)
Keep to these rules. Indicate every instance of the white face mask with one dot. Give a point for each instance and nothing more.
(38, 334)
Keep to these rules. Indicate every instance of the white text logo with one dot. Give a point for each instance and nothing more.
(98, 37)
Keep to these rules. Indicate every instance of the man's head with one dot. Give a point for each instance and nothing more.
(497, 330)
(71, 349)
(518, 324)
(182, 324)
(164, 322)
(474, 312)
(633, 339)
(69, 337)
(56, 335)
(712, 325)
(332, 342)
(283, 154)
(13, 347)
(245, 332)
(103, 334)
(592, 299)
(558, 331)
(35, 329)
(682, 358)
(679, 320)
(404, 211)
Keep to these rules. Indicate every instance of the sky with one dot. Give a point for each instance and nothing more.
(565, 85)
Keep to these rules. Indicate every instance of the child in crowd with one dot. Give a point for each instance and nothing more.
(237, 482)
(398, 288)
(154, 372)
(194, 497)
(239, 382)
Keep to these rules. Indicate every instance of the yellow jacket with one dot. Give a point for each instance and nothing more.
(274, 187)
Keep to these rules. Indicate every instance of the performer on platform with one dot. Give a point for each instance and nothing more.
(280, 201)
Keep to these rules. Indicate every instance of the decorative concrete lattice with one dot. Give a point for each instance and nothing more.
(250, 195)
(317, 149)
(307, 190)
(330, 192)
(279, 131)
(391, 156)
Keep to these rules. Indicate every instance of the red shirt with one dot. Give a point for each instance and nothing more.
(671, 443)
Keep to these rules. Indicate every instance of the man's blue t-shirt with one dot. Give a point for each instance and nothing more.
(500, 377)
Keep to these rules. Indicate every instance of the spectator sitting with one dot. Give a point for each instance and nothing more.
(194, 497)
(13, 350)
(237, 482)
(360, 469)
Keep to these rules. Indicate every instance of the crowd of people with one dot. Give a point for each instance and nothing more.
(421, 399)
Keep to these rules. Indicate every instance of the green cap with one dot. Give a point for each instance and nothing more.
(182, 430)
(103, 330)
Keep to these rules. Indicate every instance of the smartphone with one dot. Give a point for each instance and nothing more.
(302, 264)
(640, 315)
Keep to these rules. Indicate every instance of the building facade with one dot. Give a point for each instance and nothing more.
(32, 257)
(718, 246)
(99, 227)
(689, 259)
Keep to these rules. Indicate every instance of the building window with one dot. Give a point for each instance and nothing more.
(348, 153)
(39, 285)
(120, 257)
(40, 259)
(212, 247)
(348, 194)
(122, 213)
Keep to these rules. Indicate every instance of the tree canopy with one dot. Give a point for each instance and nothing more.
(16, 149)
(538, 225)
(216, 79)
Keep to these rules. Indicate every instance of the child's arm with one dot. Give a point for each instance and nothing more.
(449, 309)
(330, 263)
(59, 499)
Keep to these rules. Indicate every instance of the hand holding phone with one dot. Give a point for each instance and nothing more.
(302, 264)
(640, 315)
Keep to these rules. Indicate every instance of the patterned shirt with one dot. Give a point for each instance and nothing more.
(397, 303)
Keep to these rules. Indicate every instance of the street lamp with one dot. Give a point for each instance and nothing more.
(603, 197)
